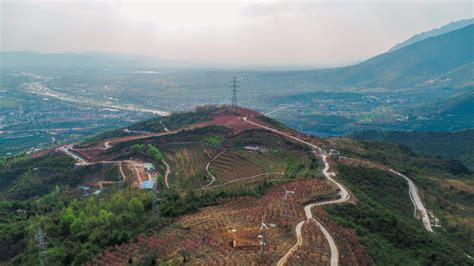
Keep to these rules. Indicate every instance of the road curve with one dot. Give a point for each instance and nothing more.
(420, 211)
(299, 242)
(213, 178)
(343, 197)
(167, 173)
(70, 151)
(417, 203)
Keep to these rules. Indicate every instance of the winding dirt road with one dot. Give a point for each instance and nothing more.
(213, 178)
(70, 151)
(167, 173)
(244, 178)
(343, 197)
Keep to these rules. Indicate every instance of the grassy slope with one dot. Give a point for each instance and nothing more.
(383, 219)
(457, 146)
(446, 186)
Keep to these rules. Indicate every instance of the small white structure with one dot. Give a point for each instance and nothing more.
(254, 148)
(149, 167)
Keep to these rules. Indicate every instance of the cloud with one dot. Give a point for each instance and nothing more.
(275, 33)
(274, 9)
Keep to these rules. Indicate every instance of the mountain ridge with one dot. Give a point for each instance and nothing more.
(455, 25)
(410, 65)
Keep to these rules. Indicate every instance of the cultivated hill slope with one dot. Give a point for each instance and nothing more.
(219, 172)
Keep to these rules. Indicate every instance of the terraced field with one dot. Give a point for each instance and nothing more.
(236, 164)
(188, 163)
(241, 164)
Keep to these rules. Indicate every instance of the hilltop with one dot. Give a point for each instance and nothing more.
(194, 187)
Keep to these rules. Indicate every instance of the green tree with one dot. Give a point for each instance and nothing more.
(136, 206)
(77, 226)
(68, 217)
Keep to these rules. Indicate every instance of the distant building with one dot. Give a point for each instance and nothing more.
(149, 167)
(149, 184)
(244, 238)
(254, 148)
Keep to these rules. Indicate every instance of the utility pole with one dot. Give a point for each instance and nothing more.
(41, 244)
(234, 87)
(261, 236)
(129, 188)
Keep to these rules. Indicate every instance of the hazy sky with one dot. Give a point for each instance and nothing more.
(318, 33)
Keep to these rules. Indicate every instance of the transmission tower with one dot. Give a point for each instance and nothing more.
(234, 87)
(41, 244)
(154, 205)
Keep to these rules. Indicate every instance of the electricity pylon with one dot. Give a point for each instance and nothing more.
(234, 87)
(41, 244)
(154, 205)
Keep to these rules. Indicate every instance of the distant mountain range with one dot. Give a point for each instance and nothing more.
(446, 60)
(434, 58)
(435, 32)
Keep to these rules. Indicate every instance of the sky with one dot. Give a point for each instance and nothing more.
(313, 33)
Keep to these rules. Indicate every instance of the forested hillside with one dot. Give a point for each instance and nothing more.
(456, 146)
